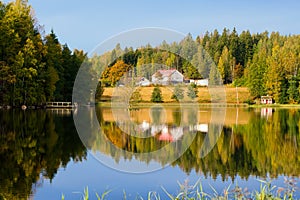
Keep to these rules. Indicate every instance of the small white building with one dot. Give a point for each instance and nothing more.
(167, 77)
(200, 127)
(142, 81)
(200, 82)
(266, 100)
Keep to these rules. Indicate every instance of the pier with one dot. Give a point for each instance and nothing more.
(60, 105)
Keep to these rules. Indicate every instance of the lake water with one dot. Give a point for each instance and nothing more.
(142, 150)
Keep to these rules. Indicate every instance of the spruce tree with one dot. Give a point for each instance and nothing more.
(156, 96)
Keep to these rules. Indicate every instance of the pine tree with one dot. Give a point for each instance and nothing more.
(192, 91)
(156, 96)
(136, 96)
(275, 78)
(256, 71)
(178, 93)
(99, 92)
(214, 76)
(224, 66)
(293, 91)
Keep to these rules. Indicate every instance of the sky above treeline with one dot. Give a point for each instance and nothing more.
(85, 24)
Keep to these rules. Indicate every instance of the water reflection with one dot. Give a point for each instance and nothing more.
(252, 141)
(33, 146)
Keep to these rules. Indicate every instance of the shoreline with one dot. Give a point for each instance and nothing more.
(171, 104)
(106, 104)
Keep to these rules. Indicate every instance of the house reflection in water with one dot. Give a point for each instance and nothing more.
(170, 133)
(266, 112)
(144, 126)
(171, 124)
(200, 127)
(165, 135)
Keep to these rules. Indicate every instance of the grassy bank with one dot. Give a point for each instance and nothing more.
(233, 95)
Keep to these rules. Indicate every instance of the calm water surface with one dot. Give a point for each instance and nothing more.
(43, 157)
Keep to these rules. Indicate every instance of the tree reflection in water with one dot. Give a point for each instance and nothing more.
(251, 143)
(33, 146)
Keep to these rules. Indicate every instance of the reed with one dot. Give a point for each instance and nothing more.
(267, 191)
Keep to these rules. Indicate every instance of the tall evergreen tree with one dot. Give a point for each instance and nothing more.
(178, 93)
(256, 71)
(224, 66)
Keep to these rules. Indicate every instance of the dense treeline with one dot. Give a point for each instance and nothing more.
(266, 63)
(33, 68)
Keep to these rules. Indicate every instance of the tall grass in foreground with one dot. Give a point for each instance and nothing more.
(195, 192)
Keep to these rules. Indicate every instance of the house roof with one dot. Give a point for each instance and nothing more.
(141, 78)
(166, 72)
(266, 97)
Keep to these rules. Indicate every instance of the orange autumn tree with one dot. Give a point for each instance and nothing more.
(114, 73)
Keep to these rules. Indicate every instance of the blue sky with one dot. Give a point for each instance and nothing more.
(84, 24)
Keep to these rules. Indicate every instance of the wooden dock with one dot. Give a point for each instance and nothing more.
(67, 105)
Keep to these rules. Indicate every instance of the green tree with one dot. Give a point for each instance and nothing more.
(188, 47)
(178, 93)
(99, 92)
(33, 69)
(190, 71)
(21, 54)
(51, 79)
(245, 48)
(54, 61)
(136, 96)
(293, 91)
(256, 71)
(214, 76)
(192, 91)
(276, 74)
(234, 46)
(71, 63)
(156, 95)
(224, 66)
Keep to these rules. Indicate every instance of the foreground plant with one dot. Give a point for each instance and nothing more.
(85, 194)
(195, 192)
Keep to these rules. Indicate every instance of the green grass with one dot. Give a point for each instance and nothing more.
(267, 191)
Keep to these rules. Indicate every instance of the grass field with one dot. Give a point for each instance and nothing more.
(233, 95)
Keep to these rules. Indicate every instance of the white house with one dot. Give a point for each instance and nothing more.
(167, 77)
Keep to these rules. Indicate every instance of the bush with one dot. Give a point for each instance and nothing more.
(136, 96)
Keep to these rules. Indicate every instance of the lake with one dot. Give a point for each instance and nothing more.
(141, 150)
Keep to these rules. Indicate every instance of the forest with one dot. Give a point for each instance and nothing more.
(266, 63)
(36, 68)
